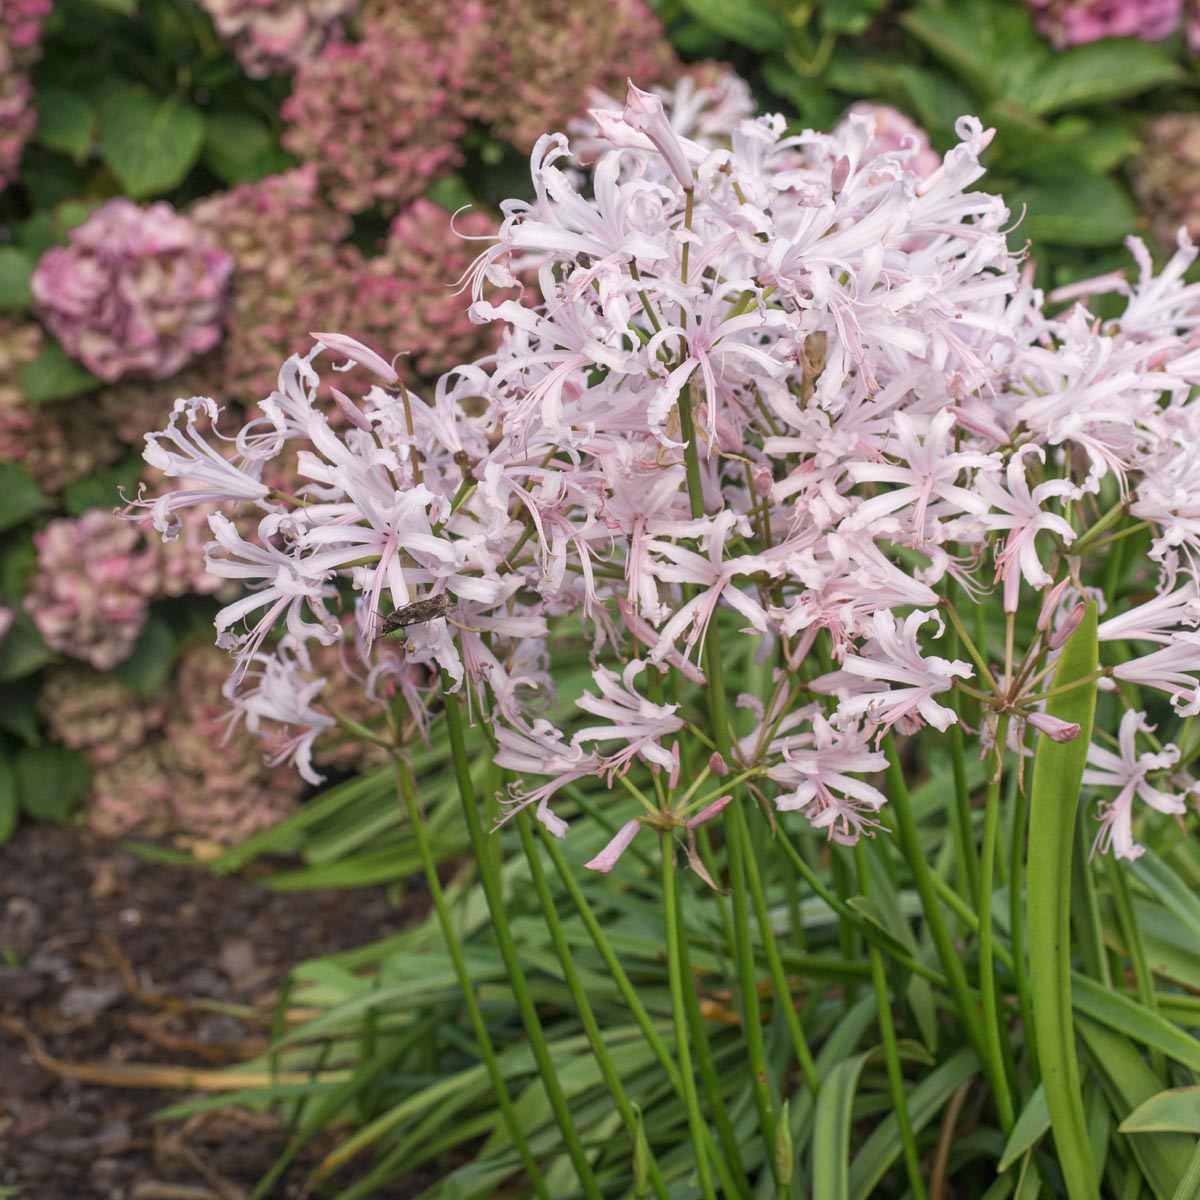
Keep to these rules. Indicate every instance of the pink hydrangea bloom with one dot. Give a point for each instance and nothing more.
(56, 443)
(139, 291)
(1074, 22)
(1166, 176)
(93, 713)
(290, 276)
(272, 37)
(93, 581)
(20, 34)
(408, 298)
(222, 787)
(377, 119)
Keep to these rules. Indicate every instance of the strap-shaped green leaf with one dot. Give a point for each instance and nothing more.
(1057, 774)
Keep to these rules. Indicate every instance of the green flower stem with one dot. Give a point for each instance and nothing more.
(923, 877)
(847, 915)
(1016, 918)
(987, 966)
(586, 1014)
(416, 821)
(678, 984)
(1136, 949)
(709, 1078)
(490, 880)
(968, 860)
(887, 1031)
(636, 1008)
(783, 996)
(735, 821)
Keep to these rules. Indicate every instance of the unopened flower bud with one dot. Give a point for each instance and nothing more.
(709, 812)
(1068, 627)
(1050, 602)
(611, 854)
(717, 765)
(644, 112)
(1054, 727)
(350, 411)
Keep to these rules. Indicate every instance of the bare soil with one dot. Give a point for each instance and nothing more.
(109, 962)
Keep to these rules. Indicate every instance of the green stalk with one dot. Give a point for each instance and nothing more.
(735, 821)
(1016, 919)
(490, 880)
(887, 1031)
(636, 1008)
(416, 820)
(910, 845)
(968, 861)
(987, 963)
(586, 1014)
(783, 995)
(678, 983)
(1057, 774)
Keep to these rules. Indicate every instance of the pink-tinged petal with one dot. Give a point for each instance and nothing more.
(611, 854)
(356, 352)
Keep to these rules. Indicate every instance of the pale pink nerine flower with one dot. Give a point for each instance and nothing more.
(927, 472)
(1020, 512)
(630, 718)
(271, 37)
(818, 776)
(1127, 771)
(893, 656)
(1171, 669)
(137, 291)
(276, 699)
(540, 749)
(895, 133)
(92, 586)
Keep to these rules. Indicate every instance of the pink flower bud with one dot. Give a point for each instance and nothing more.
(1054, 727)
(350, 411)
(717, 765)
(709, 812)
(644, 112)
(1068, 627)
(611, 854)
(1050, 602)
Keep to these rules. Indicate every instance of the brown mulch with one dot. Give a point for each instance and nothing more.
(108, 963)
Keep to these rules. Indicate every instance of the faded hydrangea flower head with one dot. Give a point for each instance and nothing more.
(378, 120)
(794, 386)
(273, 37)
(1075, 22)
(20, 35)
(410, 293)
(290, 276)
(137, 292)
(96, 714)
(1166, 176)
(90, 591)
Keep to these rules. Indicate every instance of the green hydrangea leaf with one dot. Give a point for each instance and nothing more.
(150, 144)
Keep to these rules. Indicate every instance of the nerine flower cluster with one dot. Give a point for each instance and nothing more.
(792, 391)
